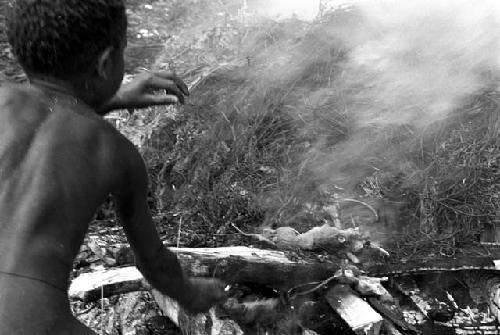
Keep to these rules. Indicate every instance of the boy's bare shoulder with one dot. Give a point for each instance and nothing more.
(113, 144)
(20, 95)
(7, 89)
(76, 121)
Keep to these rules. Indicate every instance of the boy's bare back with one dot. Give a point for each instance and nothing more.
(58, 162)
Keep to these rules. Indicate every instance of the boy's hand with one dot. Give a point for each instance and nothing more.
(141, 91)
(204, 294)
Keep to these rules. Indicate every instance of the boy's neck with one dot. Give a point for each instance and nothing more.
(53, 86)
(61, 87)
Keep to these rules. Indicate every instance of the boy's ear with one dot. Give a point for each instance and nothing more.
(104, 62)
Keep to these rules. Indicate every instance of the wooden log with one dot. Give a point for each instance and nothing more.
(169, 306)
(356, 312)
(202, 324)
(105, 283)
(273, 268)
(233, 265)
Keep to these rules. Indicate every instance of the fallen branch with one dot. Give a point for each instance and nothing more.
(232, 264)
(105, 283)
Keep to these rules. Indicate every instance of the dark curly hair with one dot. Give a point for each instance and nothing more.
(61, 38)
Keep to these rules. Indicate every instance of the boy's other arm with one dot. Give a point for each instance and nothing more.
(140, 92)
(158, 264)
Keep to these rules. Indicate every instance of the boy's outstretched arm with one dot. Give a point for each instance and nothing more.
(148, 89)
(158, 264)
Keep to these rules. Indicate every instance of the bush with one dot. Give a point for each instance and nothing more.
(273, 134)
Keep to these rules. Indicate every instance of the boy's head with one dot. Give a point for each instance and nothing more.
(69, 40)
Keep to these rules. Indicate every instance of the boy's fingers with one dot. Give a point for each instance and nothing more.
(178, 81)
(163, 99)
(169, 86)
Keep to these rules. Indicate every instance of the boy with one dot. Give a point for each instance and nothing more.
(59, 160)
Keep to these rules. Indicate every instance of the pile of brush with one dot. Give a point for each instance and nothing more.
(283, 122)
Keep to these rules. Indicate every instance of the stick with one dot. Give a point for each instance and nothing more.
(363, 203)
(256, 236)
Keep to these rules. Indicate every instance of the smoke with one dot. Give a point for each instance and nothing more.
(421, 59)
(370, 82)
(362, 86)
(410, 65)
(283, 9)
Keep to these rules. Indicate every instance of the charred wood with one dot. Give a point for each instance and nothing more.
(356, 312)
